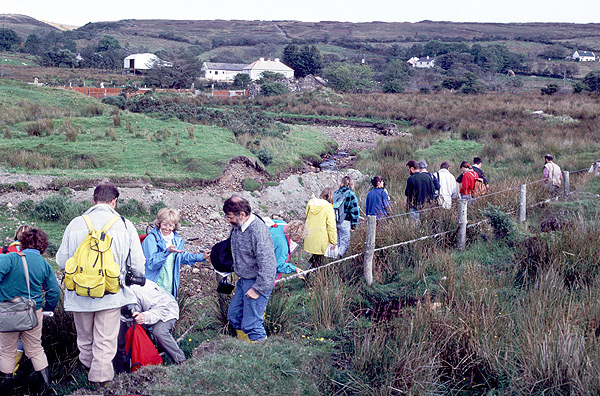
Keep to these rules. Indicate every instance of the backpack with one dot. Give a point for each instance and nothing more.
(93, 271)
(221, 257)
(140, 349)
(479, 189)
(12, 248)
(339, 207)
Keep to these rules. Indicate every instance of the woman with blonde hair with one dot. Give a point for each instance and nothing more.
(164, 251)
(320, 222)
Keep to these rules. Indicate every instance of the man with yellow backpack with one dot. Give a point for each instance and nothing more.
(97, 250)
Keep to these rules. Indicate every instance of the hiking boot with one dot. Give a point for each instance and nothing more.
(100, 385)
(45, 373)
(6, 383)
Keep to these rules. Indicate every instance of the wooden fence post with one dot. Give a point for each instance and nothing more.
(566, 184)
(523, 203)
(462, 223)
(370, 248)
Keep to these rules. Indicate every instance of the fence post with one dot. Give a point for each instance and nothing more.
(597, 168)
(566, 184)
(462, 223)
(523, 203)
(368, 265)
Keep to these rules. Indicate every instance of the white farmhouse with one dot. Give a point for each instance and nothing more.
(256, 68)
(425, 62)
(584, 56)
(144, 62)
(221, 71)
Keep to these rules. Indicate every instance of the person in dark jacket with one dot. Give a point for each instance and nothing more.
(378, 202)
(350, 211)
(44, 290)
(419, 190)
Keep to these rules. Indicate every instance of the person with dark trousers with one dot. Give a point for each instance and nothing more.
(419, 190)
(378, 201)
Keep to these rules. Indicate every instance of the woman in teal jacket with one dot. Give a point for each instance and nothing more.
(44, 291)
(164, 251)
(284, 235)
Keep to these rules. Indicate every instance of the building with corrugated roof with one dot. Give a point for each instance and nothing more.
(221, 71)
(256, 68)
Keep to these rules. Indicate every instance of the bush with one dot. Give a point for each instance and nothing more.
(117, 101)
(503, 225)
(156, 206)
(132, 207)
(250, 184)
(273, 89)
(40, 128)
(264, 156)
(55, 208)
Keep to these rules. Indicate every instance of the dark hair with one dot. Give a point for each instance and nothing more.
(549, 157)
(465, 164)
(412, 164)
(375, 180)
(445, 165)
(105, 193)
(34, 238)
(236, 205)
(476, 161)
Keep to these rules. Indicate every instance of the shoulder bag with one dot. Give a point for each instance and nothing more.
(18, 313)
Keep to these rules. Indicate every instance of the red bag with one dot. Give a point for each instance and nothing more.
(140, 348)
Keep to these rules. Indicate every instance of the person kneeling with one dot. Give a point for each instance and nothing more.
(157, 310)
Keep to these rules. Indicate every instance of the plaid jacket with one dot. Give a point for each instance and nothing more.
(350, 206)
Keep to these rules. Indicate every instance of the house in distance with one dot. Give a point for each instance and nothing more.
(584, 56)
(141, 63)
(227, 71)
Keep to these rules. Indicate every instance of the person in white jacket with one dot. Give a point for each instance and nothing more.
(448, 188)
(156, 310)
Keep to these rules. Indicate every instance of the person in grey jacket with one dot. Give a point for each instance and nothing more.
(254, 262)
(97, 319)
(157, 310)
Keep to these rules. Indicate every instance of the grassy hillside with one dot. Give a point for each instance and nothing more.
(57, 132)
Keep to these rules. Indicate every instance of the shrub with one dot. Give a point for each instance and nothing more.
(264, 156)
(39, 128)
(132, 207)
(249, 184)
(273, 89)
(92, 110)
(22, 186)
(156, 206)
(56, 208)
(117, 101)
(117, 118)
(503, 225)
(550, 89)
(7, 133)
(111, 134)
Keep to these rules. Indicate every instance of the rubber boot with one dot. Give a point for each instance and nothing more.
(6, 384)
(45, 373)
(241, 335)
(18, 361)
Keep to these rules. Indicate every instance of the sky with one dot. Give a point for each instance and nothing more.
(80, 12)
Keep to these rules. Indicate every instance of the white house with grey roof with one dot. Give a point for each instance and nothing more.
(222, 71)
(584, 56)
(256, 68)
(144, 62)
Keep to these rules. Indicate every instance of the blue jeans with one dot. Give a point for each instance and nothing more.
(343, 236)
(247, 314)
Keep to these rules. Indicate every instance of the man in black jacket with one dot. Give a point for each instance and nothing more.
(419, 190)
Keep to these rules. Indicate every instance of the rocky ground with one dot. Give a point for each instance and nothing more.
(203, 222)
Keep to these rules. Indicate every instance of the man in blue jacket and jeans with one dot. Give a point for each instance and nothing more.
(254, 262)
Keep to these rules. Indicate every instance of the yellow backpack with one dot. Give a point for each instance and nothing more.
(93, 271)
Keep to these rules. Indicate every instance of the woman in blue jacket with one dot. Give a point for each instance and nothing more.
(163, 249)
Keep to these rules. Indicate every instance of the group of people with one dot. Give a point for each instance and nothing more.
(261, 250)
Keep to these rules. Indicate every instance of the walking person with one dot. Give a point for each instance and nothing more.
(348, 213)
(254, 262)
(448, 189)
(465, 182)
(43, 288)
(286, 237)
(552, 174)
(477, 168)
(322, 231)
(423, 168)
(378, 201)
(97, 319)
(164, 251)
(419, 190)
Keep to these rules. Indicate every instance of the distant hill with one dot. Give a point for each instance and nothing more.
(61, 26)
(24, 25)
